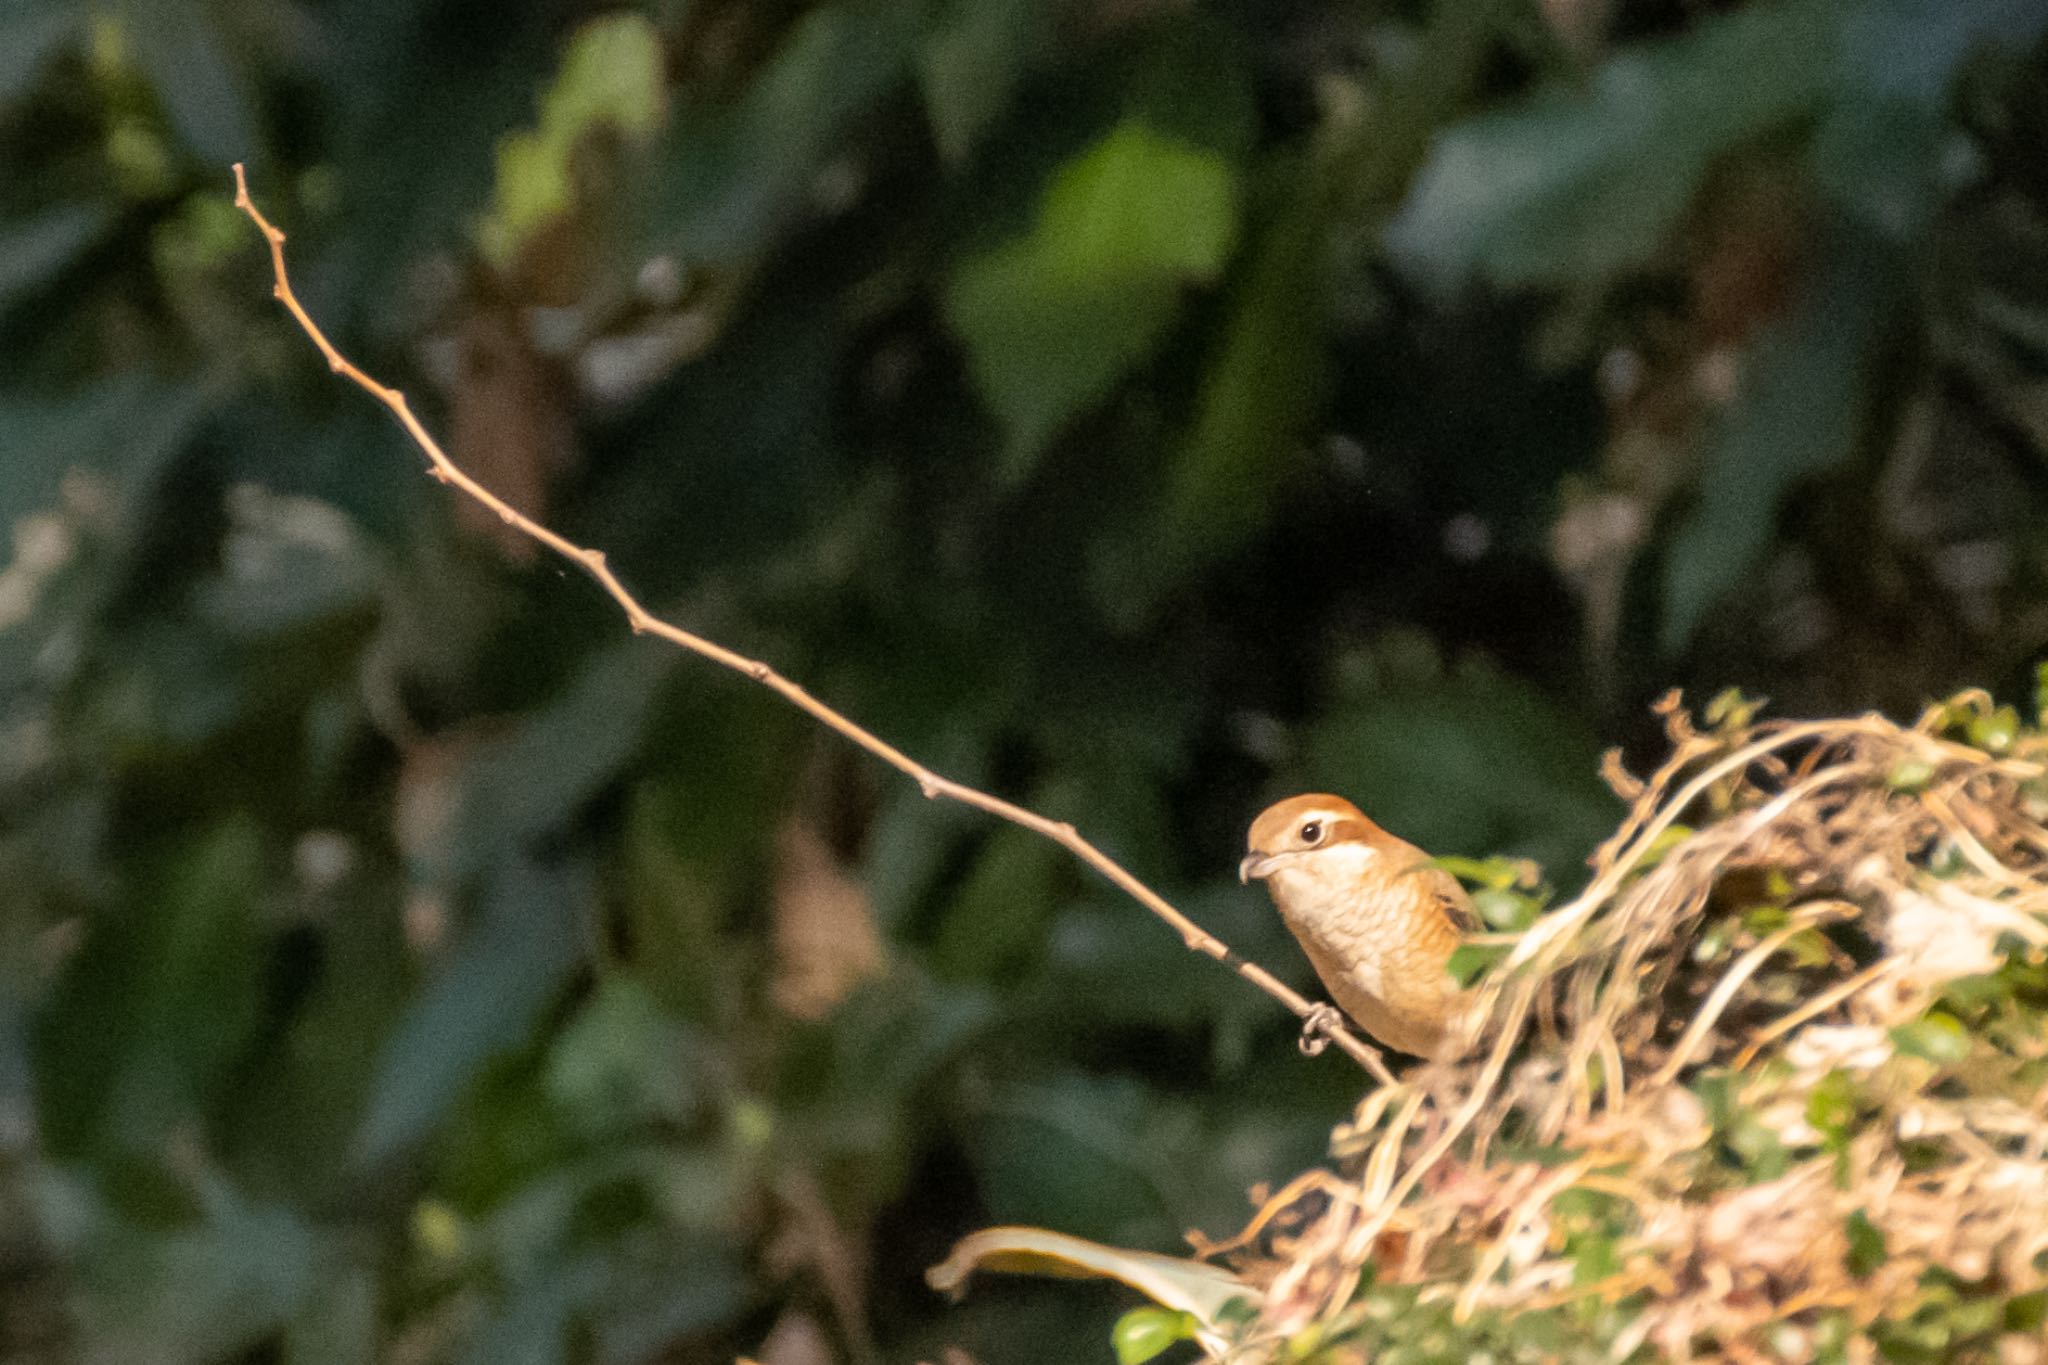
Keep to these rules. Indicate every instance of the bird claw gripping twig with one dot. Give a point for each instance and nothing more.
(1317, 1027)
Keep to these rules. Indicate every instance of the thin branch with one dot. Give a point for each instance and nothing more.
(644, 622)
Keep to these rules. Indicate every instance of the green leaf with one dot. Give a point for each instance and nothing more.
(1587, 179)
(157, 1011)
(338, 1323)
(1469, 960)
(1910, 775)
(1095, 950)
(1053, 319)
(1460, 757)
(737, 177)
(1144, 1332)
(509, 965)
(1831, 1106)
(30, 35)
(611, 78)
(1938, 1038)
(1883, 151)
(1995, 732)
(2027, 1312)
(997, 918)
(1668, 838)
(532, 1325)
(212, 1287)
(1140, 201)
(1504, 910)
(34, 252)
(1757, 1145)
(1799, 412)
(1866, 1244)
(1262, 388)
(621, 1061)
(188, 62)
(1732, 710)
(972, 62)
(1059, 1153)
(289, 563)
(68, 454)
(1497, 874)
(882, 1046)
(537, 777)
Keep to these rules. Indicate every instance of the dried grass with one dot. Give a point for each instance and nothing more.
(1895, 859)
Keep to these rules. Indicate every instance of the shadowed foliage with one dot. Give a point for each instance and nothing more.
(1138, 410)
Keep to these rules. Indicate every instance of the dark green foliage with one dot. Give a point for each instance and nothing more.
(1142, 411)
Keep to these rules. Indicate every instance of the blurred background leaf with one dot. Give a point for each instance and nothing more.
(1143, 411)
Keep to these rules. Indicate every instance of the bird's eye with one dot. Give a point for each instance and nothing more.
(1312, 832)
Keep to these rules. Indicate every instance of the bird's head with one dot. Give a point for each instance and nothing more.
(1316, 841)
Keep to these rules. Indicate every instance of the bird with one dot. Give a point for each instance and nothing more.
(1376, 916)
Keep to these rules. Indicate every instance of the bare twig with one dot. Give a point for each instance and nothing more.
(642, 621)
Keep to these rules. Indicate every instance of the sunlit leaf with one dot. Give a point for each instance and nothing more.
(1469, 961)
(1261, 387)
(1193, 1287)
(1054, 318)
(1143, 1333)
(611, 80)
(1866, 1244)
(1937, 1038)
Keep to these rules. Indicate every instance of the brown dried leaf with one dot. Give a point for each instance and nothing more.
(508, 424)
(825, 937)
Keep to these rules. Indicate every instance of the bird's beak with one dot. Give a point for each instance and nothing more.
(1254, 865)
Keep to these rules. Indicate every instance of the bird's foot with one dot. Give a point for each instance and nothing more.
(1316, 1029)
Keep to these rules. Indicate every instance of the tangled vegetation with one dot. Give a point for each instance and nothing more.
(1774, 1086)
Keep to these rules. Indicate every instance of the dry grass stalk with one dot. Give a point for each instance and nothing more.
(1895, 860)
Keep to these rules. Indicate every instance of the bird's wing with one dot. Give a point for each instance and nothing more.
(1451, 897)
